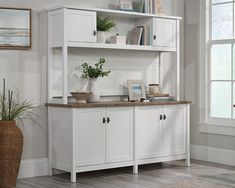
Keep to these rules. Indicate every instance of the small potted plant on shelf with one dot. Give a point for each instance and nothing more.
(11, 137)
(92, 73)
(103, 25)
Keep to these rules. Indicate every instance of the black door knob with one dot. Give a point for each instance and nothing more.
(104, 120)
(164, 116)
(94, 33)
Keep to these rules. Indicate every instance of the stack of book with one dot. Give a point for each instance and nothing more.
(143, 6)
(160, 97)
(134, 36)
(139, 36)
(152, 7)
(145, 37)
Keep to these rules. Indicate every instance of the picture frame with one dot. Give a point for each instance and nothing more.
(15, 28)
(126, 5)
(136, 89)
(138, 5)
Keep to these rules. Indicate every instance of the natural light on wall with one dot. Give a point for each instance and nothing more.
(222, 59)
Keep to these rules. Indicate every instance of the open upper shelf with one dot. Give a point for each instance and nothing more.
(75, 27)
(119, 13)
(116, 47)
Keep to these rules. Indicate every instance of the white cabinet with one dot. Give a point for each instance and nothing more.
(119, 135)
(164, 32)
(161, 131)
(90, 137)
(67, 27)
(94, 138)
(101, 137)
(173, 130)
(84, 139)
(81, 26)
(149, 132)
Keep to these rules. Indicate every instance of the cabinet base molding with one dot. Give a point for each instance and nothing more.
(62, 167)
(162, 159)
(91, 168)
(103, 166)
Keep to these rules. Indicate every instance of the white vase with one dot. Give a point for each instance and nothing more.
(101, 37)
(93, 88)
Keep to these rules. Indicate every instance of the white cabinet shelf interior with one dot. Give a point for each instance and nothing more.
(123, 65)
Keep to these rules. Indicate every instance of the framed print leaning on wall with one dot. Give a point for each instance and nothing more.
(15, 28)
(136, 89)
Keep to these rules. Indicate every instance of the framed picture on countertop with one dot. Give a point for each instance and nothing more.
(136, 89)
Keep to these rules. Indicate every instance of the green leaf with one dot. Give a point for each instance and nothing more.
(105, 24)
(94, 72)
(12, 108)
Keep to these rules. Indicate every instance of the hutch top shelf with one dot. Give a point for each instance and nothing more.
(118, 13)
(76, 27)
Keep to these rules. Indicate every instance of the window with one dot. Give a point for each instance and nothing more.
(221, 61)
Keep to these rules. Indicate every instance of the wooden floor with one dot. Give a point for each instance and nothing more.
(165, 175)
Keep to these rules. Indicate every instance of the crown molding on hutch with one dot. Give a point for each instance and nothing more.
(117, 13)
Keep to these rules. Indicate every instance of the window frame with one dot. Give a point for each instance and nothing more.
(206, 123)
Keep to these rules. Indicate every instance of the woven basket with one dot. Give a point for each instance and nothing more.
(11, 144)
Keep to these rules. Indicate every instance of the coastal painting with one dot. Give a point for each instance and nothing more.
(15, 28)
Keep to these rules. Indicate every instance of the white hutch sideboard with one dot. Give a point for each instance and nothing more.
(85, 137)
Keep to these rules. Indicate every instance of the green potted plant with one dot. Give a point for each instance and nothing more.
(11, 137)
(103, 25)
(92, 73)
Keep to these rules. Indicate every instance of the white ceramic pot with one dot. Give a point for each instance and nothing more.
(101, 37)
(93, 88)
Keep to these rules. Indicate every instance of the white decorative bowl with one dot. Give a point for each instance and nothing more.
(81, 97)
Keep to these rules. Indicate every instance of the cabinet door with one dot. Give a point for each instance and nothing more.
(148, 132)
(164, 33)
(81, 26)
(174, 130)
(90, 136)
(119, 134)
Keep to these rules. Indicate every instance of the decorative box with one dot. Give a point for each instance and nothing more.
(121, 40)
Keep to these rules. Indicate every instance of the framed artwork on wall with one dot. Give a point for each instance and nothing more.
(136, 90)
(15, 28)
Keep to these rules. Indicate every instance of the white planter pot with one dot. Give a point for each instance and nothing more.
(93, 88)
(101, 37)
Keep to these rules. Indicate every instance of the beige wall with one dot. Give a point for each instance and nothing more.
(27, 69)
(192, 40)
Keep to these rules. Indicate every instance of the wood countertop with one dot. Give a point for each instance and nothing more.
(115, 104)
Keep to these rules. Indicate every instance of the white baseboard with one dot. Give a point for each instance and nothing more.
(33, 168)
(212, 154)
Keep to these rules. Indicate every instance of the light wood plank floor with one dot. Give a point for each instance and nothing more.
(165, 175)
